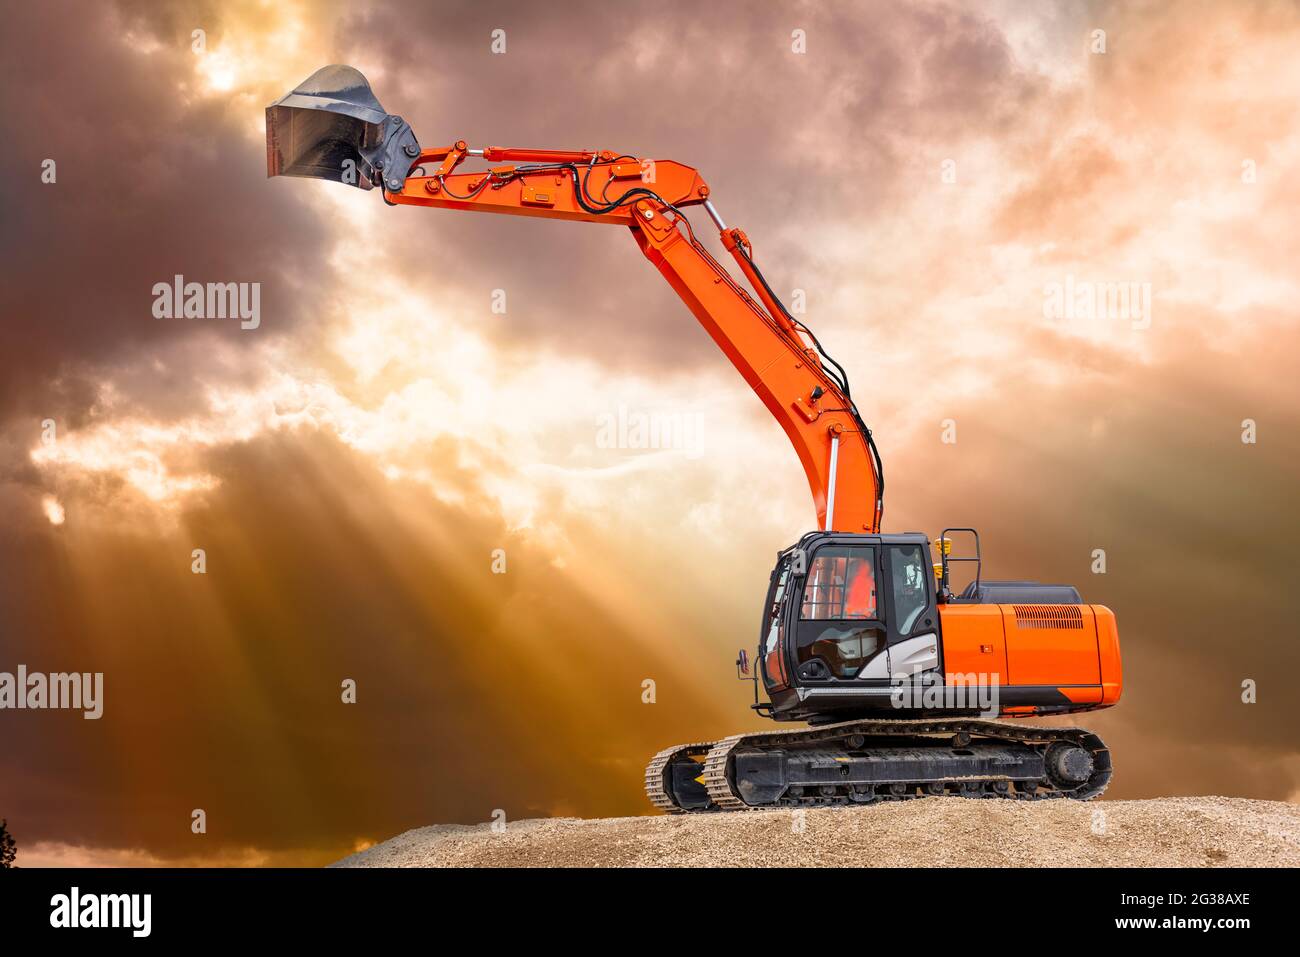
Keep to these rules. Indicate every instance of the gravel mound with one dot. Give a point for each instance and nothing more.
(935, 832)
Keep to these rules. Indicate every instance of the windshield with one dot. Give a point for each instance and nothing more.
(841, 585)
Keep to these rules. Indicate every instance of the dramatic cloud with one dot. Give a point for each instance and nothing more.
(965, 197)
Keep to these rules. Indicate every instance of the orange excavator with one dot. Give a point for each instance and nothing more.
(897, 677)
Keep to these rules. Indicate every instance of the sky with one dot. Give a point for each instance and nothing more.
(949, 189)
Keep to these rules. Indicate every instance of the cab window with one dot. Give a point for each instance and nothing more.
(840, 585)
(909, 575)
(774, 616)
(840, 627)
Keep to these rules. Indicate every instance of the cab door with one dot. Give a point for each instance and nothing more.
(914, 643)
(772, 637)
(841, 625)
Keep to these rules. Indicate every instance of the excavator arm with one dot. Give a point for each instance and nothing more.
(777, 355)
(761, 340)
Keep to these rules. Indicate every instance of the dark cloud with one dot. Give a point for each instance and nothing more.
(787, 142)
(151, 182)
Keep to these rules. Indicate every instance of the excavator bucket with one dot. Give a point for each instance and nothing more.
(333, 127)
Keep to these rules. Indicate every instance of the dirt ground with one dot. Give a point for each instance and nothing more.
(935, 832)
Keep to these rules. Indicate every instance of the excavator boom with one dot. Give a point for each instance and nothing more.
(332, 127)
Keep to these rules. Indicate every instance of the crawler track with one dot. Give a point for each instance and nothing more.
(657, 783)
(858, 762)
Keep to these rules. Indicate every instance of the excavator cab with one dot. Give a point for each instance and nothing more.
(853, 624)
(845, 613)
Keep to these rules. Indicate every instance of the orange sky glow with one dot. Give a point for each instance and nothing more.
(949, 187)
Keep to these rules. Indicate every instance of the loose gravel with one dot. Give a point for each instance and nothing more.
(930, 832)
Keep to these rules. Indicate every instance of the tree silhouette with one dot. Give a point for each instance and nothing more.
(8, 847)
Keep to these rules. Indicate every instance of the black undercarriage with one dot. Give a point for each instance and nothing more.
(859, 762)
